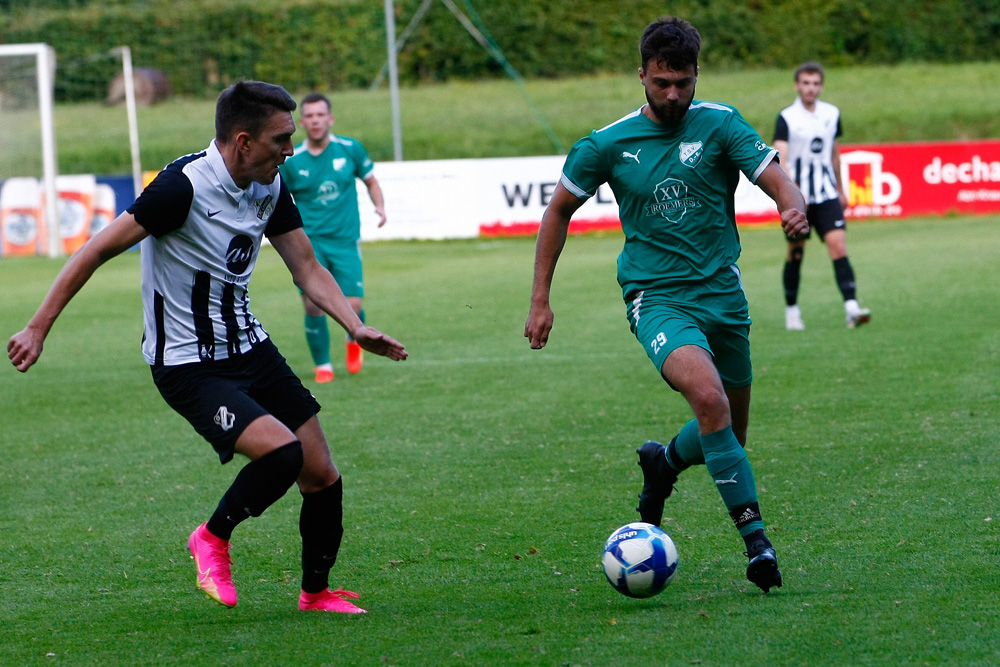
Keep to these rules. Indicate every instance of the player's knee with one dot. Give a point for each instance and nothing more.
(711, 408)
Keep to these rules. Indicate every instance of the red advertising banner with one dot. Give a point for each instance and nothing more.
(898, 180)
(901, 180)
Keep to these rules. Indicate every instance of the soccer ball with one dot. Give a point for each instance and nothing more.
(639, 560)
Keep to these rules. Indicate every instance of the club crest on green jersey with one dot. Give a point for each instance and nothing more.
(690, 153)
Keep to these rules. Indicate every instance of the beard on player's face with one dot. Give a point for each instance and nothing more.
(670, 111)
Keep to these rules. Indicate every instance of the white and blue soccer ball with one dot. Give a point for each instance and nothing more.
(639, 560)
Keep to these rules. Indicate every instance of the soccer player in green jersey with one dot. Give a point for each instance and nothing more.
(321, 176)
(673, 165)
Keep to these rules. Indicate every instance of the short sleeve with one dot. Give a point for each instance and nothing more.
(781, 129)
(585, 169)
(286, 216)
(363, 164)
(746, 149)
(165, 203)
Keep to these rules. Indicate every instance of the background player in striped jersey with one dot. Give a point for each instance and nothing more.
(673, 165)
(322, 177)
(200, 223)
(806, 135)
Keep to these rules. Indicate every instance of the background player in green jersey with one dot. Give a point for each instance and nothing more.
(673, 165)
(321, 177)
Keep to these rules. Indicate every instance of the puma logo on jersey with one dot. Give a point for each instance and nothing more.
(635, 156)
(224, 418)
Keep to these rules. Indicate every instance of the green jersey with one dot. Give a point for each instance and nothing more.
(325, 189)
(674, 185)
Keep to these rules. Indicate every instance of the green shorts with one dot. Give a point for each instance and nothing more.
(713, 315)
(343, 260)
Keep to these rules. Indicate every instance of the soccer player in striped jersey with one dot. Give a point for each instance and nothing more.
(200, 224)
(805, 136)
(673, 165)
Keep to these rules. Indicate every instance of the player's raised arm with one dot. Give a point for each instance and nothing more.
(24, 347)
(551, 239)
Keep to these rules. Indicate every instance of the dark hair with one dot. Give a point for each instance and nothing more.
(246, 106)
(317, 97)
(672, 41)
(812, 67)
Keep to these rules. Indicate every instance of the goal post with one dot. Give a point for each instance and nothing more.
(133, 124)
(45, 67)
(43, 212)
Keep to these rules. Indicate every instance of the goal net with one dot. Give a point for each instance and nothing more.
(41, 161)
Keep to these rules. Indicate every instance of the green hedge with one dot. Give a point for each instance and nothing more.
(335, 44)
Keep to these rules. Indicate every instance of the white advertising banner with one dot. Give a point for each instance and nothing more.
(442, 199)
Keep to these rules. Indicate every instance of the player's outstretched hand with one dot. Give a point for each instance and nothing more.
(24, 348)
(377, 342)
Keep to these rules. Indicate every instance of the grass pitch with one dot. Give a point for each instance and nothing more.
(482, 478)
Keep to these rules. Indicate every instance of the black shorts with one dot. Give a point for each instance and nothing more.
(221, 398)
(824, 217)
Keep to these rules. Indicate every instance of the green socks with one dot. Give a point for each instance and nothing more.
(318, 339)
(728, 465)
(684, 451)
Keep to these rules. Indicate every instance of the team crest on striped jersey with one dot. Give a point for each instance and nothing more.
(690, 154)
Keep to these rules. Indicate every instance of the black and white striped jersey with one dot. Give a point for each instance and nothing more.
(810, 137)
(205, 235)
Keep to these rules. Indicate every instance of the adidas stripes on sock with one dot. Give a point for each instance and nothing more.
(729, 466)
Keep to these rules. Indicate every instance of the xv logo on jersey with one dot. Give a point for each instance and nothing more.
(690, 153)
(224, 418)
(672, 200)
